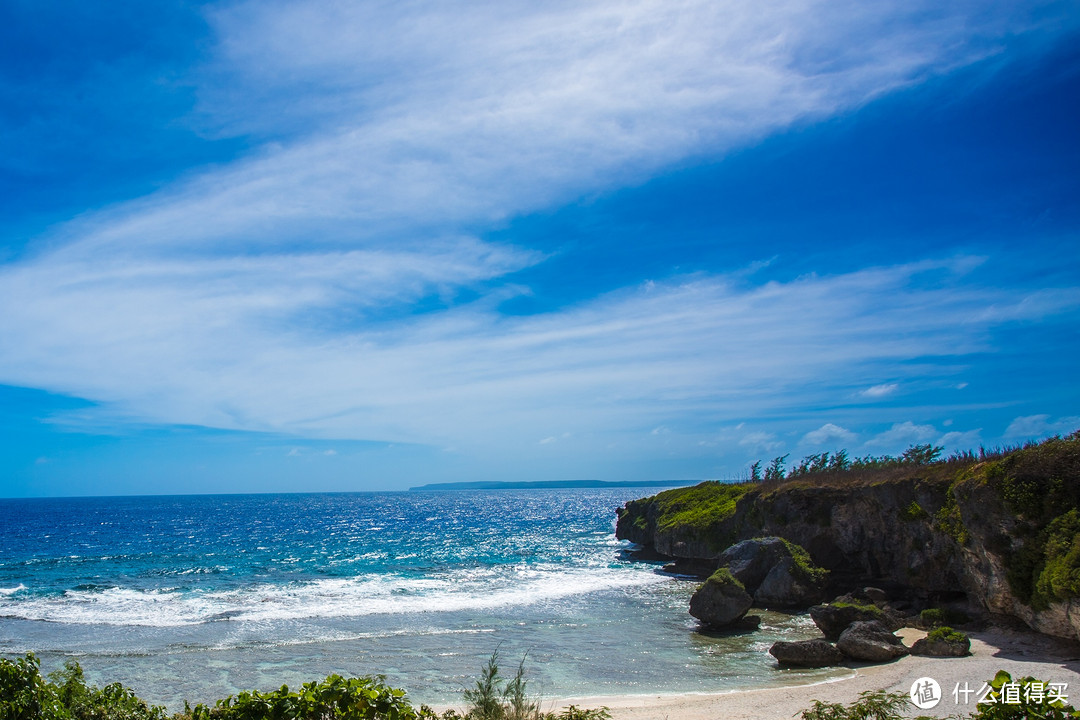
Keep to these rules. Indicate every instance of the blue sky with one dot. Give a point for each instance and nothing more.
(288, 246)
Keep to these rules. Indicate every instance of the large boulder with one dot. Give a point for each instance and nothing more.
(721, 600)
(789, 584)
(751, 560)
(834, 618)
(806, 653)
(777, 573)
(870, 641)
(943, 642)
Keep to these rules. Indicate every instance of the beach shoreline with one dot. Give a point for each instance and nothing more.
(1020, 653)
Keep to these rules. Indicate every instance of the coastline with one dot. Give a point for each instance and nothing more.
(1021, 653)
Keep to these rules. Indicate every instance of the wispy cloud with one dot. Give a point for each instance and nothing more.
(761, 442)
(177, 352)
(1034, 427)
(880, 391)
(255, 295)
(901, 434)
(829, 434)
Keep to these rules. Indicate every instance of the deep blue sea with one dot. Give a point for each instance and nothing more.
(198, 597)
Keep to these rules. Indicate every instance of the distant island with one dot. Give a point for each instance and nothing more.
(549, 484)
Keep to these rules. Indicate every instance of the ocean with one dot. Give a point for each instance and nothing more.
(198, 597)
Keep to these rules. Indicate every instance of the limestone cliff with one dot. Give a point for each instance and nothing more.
(1000, 532)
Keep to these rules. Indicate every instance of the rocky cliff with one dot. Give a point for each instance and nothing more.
(999, 533)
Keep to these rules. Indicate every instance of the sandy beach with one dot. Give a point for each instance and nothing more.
(1019, 653)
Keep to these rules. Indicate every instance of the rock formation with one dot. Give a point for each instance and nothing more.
(721, 600)
(806, 653)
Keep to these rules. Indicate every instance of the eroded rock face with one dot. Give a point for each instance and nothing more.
(720, 601)
(806, 653)
(922, 531)
(870, 641)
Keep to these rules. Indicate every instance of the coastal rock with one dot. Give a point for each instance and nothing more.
(948, 532)
(835, 618)
(750, 561)
(943, 642)
(746, 622)
(870, 641)
(941, 648)
(721, 600)
(806, 653)
(787, 585)
(775, 572)
(875, 595)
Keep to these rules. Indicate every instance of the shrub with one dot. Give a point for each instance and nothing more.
(947, 634)
(362, 698)
(912, 512)
(723, 576)
(805, 569)
(876, 705)
(1024, 705)
(933, 617)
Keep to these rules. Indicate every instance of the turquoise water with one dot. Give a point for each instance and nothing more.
(197, 597)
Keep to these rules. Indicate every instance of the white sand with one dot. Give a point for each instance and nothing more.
(1021, 654)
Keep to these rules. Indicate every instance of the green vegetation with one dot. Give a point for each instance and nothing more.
(723, 576)
(805, 569)
(864, 607)
(1038, 483)
(912, 512)
(26, 695)
(700, 507)
(932, 617)
(1024, 703)
(64, 695)
(946, 634)
(839, 462)
(936, 617)
(949, 520)
(1027, 500)
(696, 513)
(876, 705)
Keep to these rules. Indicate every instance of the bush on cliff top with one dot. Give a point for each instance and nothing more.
(698, 511)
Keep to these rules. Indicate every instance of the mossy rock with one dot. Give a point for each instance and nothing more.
(721, 600)
(834, 618)
(943, 642)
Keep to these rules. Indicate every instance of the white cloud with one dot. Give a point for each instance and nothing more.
(828, 433)
(954, 441)
(902, 434)
(880, 391)
(224, 355)
(1033, 427)
(252, 296)
(399, 121)
(548, 440)
(761, 442)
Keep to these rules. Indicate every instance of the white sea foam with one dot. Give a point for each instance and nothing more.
(12, 591)
(475, 589)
